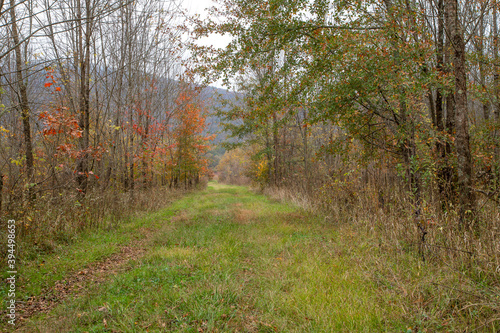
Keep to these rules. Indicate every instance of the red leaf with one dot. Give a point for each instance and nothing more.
(58, 88)
(48, 84)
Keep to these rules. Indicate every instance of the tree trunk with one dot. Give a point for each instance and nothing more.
(464, 160)
(496, 75)
(443, 172)
(84, 106)
(482, 74)
(307, 177)
(496, 90)
(447, 171)
(1, 189)
(439, 58)
(23, 101)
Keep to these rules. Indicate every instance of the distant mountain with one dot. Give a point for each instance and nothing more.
(214, 97)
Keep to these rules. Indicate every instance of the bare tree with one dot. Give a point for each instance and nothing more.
(22, 96)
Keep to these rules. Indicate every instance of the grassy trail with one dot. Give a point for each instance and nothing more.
(228, 260)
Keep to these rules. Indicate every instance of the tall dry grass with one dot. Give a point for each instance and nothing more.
(449, 276)
(55, 219)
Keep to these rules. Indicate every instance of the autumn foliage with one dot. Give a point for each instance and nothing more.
(86, 137)
(187, 162)
(381, 111)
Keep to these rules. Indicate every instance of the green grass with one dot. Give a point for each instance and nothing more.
(92, 246)
(227, 260)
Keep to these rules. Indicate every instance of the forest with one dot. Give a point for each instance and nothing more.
(382, 112)
(94, 102)
(378, 120)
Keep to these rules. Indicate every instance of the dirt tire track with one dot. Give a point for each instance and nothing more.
(77, 282)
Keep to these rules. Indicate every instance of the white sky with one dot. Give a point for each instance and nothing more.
(197, 6)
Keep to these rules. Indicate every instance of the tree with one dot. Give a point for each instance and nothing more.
(23, 98)
(392, 76)
(464, 161)
(188, 162)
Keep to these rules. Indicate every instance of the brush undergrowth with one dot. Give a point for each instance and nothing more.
(229, 260)
(57, 237)
(55, 220)
(449, 277)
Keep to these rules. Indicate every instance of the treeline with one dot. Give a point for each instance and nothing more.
(94, 100)
(405, 88)
(370, 107)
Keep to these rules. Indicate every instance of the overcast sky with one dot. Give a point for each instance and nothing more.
(197, 6)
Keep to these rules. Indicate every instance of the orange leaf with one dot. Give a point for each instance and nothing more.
(48, 84)
(58, 88)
